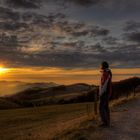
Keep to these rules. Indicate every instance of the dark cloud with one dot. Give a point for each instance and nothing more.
(91, 31)
(132, 26)
(132, 31)
(8, 14)
(8, 40)
(86, 2)
(98, 48)
(71, 44)
(24, 3)
(133, 36)
(78, 29)
(39, 3)
(97, 31)
(110, 40)
(12, 25)
(80, 33)
(93, 49)
(119, 5)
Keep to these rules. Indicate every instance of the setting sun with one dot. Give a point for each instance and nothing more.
(3, 70)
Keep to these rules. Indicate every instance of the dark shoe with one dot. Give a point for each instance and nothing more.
(101, 125)
(104, 125)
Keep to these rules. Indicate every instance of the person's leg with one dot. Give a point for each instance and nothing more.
(106, 111)
(102, 110)
(107, 115)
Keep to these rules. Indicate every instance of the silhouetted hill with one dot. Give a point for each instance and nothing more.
(40, 94)
(80, 87)
(37, 96)
(7, 104)
(125, 87)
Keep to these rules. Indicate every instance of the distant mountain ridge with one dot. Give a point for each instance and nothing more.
(39, 94)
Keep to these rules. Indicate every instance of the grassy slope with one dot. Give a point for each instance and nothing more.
(39, 122)
(5, 104)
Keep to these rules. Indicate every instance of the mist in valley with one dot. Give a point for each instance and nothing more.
(9, 88)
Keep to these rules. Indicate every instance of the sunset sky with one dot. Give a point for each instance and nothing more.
(64, 41)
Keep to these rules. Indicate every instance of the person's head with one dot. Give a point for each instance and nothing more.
(104, 65)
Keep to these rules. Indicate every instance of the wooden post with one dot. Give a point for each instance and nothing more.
(95, 108)
(96, 104)
(127, 94)
(134, 90)
(88, 109)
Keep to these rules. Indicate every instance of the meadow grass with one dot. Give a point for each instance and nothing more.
(47, 122)
(39, 121)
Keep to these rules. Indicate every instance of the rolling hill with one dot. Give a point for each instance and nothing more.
(7, 104)
(40, 94)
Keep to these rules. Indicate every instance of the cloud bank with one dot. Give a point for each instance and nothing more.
(55, 39)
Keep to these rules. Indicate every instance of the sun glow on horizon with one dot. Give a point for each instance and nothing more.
(3, 70)
(63, 76)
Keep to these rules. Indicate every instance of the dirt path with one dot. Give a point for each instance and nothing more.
(125, 123)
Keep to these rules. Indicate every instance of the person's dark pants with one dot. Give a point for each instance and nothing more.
(104, 109)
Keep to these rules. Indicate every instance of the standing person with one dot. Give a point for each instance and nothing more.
(105, 91)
